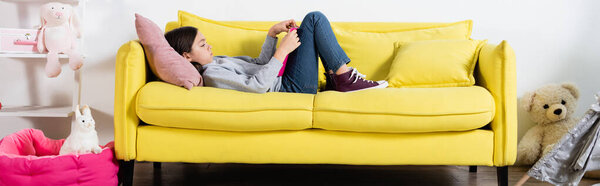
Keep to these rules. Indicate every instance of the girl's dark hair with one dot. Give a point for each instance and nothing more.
(182, 39)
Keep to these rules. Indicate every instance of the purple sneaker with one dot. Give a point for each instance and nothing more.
(329, 83)
(353, 81)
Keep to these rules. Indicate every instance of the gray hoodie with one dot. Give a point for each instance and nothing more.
(243, 73)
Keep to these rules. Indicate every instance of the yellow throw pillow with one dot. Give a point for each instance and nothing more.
(372, 52)
(434, 63)
(228, 39)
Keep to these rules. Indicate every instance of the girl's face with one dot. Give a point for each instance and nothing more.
(201, 51)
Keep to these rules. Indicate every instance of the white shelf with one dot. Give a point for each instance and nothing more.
(45, 111)
(41, 1)
(21, 55)
(36, 111)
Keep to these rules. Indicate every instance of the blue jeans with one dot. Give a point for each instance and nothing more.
(317, 39)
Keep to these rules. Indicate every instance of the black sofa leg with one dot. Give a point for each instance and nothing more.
(157, 165)
(126, 172)
(502, 173)
(157, 175)
(472, 168)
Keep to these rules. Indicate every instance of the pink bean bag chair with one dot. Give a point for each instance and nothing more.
(30, 158)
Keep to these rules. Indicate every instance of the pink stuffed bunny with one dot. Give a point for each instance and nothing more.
(58, 34)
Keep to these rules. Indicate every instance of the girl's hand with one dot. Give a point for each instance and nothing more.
(288, 44)
(283, 26)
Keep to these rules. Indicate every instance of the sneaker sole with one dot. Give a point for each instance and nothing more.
(382, 84)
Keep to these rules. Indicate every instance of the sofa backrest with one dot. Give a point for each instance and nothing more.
(370, 45)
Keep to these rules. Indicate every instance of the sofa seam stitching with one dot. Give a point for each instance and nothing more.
(472, 113)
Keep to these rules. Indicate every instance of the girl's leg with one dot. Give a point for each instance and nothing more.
(340, 70)
(331, 53)
(317, 38)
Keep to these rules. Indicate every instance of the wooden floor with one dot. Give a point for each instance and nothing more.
(284, 174)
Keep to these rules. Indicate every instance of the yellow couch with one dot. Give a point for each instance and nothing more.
(474, 125)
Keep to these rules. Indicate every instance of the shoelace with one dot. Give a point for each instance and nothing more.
(357, 75)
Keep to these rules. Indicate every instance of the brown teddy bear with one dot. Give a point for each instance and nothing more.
(551, 107)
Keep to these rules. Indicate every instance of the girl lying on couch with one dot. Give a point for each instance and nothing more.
(303, 46)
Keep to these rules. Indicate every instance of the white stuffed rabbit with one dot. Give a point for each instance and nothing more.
(58, 34)
(83, 138)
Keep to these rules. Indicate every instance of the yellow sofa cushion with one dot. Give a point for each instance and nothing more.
(372, 52)
(163, 104)
(228, 38)
(404, 110)
(434, 63)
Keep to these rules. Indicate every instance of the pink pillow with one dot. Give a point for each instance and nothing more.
(164, 61)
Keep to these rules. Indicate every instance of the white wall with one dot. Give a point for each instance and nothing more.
(554, 41)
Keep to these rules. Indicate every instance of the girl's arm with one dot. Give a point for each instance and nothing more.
(222, 77)
(268, 49)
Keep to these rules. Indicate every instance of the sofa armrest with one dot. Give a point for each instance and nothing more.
(130, 76)
(497, 73)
